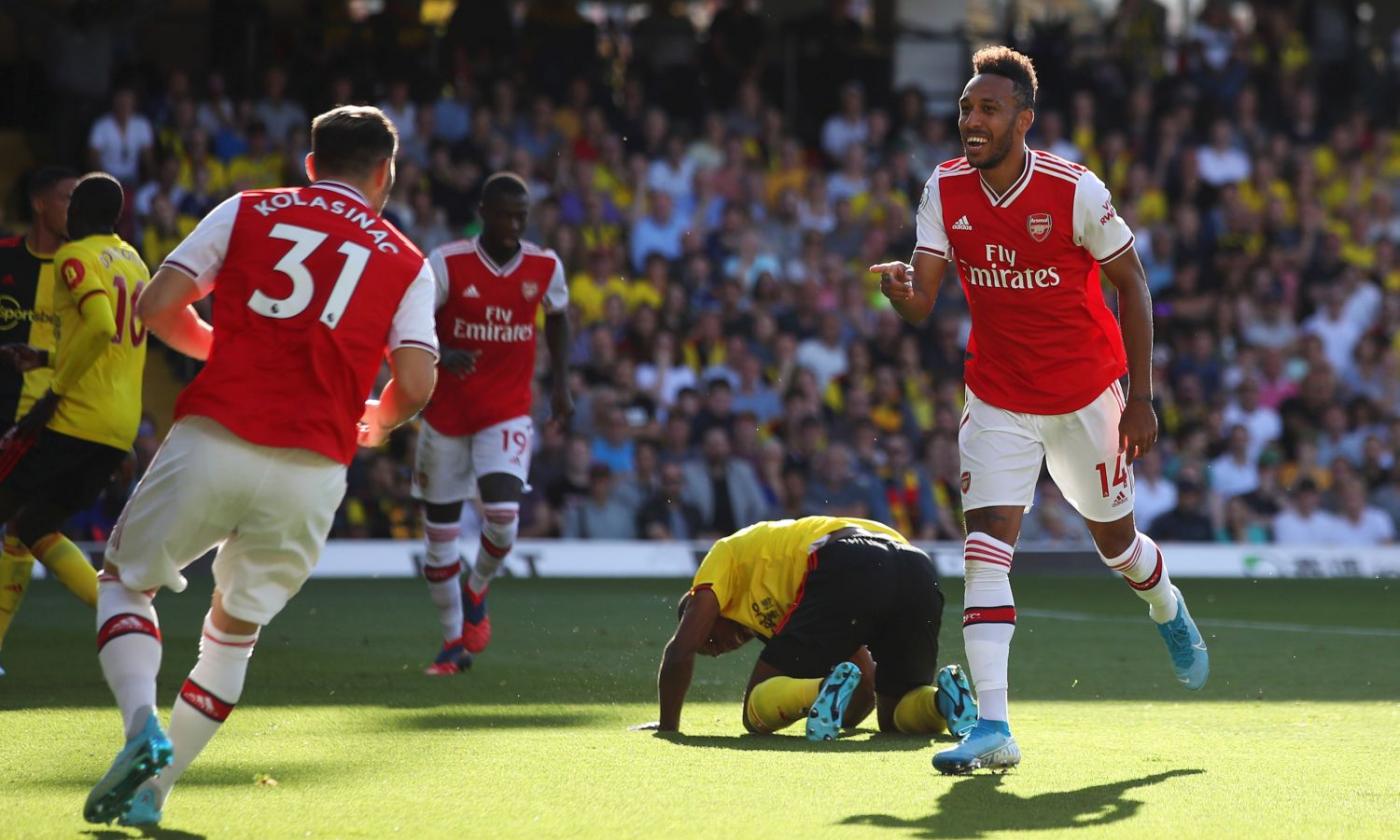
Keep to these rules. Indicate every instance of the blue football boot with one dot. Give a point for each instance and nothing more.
(955, 701)
(988, 746)
(141, 759)
(1189, 657)
(829, 709)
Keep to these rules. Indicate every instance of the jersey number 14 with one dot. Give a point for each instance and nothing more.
(293, 265)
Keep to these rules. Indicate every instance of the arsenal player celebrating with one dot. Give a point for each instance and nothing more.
(477, 435)
(314, 288)
(1029, 233)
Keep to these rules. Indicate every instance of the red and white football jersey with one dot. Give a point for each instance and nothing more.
(313, 288)
(1043, 339)
(491, 309)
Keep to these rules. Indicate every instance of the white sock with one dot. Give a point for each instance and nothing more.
(989, 620)
(498, 529)
(129, 648)
(206, 698)
(1145, 571)
(441, 569)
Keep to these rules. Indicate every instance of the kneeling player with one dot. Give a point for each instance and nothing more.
(477, 434)
(826, 594)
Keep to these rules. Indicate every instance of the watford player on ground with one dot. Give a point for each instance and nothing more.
(63, 450)
(28, 330)
(831, 597)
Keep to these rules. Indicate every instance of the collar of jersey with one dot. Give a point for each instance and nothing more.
(1017, 187)
(342, 187)
(498, 270)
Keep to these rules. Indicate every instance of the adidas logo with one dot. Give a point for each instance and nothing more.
(471, 292)
(962, 224)
(1120, 498)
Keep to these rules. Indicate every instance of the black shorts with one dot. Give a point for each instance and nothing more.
(61, 472)
(864, 591)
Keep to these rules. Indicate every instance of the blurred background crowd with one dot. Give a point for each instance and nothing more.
(716, 184)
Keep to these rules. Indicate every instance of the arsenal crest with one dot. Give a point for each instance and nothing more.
(966, 481)
(1038, 225)
(530, 289)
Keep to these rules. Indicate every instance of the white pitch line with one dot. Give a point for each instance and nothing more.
(1224, 623)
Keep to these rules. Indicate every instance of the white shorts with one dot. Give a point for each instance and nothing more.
(267, 509)
(448, 467)
(1002, 452)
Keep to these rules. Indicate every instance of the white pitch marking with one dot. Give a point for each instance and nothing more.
(1223, 623)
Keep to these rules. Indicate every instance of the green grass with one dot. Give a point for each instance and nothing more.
(1296, 734)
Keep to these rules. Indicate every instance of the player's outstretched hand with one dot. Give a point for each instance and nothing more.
(371, 433)
(1137, 429)
(459, 363)
(561, 407)
(22, 357)
(896, 279)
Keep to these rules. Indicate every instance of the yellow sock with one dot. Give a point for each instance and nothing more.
(70, 565)
(16, 565)
(917, 714)
(780, 701)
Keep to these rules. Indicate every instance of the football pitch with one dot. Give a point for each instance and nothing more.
(340, 735)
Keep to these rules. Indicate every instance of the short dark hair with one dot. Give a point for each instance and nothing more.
(96, 204)
(43, 179)
(1001, 60)
(352, 140)
(505, 185)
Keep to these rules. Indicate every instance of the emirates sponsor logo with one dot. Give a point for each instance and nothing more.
(1038, 225)
(499, 327)
(1000, 271)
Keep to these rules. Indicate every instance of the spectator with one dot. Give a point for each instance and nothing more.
(835, 488)
(1361, 523)
(1241, 525)
(658, 231)
(122, 141)
(824, 355)
(666, 515)
(848, 128)
(614, 446)
(908, 496)
(279, 114)
(1222, 162)
(1261, 423)
(1153, 493)
(724, 489)
(1305, 523)
(600, 515)
(717, 413)
(1187, 522)
(1234, 472)
(1053, 523)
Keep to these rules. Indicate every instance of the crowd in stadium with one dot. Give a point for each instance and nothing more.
(732, 359)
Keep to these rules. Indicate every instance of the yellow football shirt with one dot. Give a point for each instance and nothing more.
(757, 571)
(104, 405)
(26, 317)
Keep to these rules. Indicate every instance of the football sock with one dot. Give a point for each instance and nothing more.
(1145, 571)
(16, 566)
(128, 647)
(780, 701)
(70, 565)
(989, 620)
(501, 524)
(206, 698)
(917, 713)
(442, 569)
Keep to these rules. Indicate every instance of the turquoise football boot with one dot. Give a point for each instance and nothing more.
(141, 759)
(829, 709)
(988, 746)
(1190, 659)
(145, 808)
(955, 701)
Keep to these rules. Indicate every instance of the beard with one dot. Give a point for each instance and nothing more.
(997, 151)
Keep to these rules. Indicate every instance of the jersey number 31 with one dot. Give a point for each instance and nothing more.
(293, 265)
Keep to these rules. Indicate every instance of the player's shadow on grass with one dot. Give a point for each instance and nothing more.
(977, 805)
(796, 743)
(155, 832)
(492, 719)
